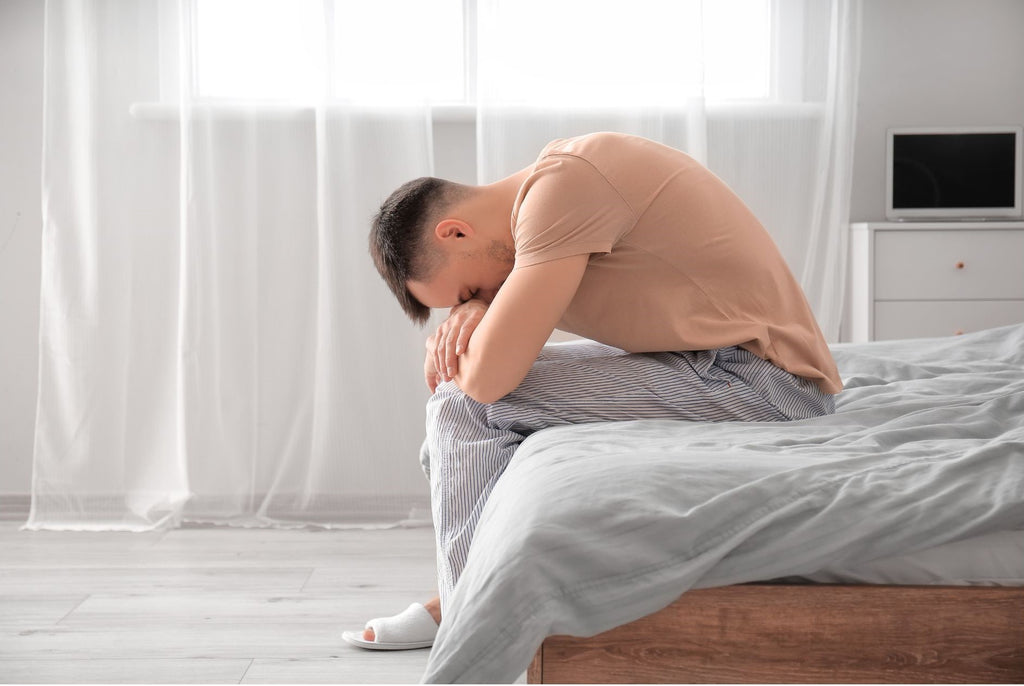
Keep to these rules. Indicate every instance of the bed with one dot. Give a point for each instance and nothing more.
(659, 551)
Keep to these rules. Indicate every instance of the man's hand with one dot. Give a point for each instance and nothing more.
(450, 341)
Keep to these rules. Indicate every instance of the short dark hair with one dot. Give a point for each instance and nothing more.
(399, 236)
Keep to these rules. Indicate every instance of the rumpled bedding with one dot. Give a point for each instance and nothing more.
(597, 525)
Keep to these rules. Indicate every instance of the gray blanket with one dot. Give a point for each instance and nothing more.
(597, 525)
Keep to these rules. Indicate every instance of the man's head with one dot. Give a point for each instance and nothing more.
(437, 243)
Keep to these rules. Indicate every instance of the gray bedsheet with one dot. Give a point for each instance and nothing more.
(597, 525)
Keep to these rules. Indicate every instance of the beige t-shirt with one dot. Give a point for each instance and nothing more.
(678, 262)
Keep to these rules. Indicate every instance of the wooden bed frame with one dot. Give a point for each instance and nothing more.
(814, 633)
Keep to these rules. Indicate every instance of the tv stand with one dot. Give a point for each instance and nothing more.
(924, 279)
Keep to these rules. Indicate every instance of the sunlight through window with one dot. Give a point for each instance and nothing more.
(259, 48)
(548, 51)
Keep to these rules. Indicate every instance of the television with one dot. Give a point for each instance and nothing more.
(953, 173)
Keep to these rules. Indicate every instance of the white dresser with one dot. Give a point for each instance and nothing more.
(924, 279)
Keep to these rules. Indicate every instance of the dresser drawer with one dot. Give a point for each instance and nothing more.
(930, 318)
(949, 265)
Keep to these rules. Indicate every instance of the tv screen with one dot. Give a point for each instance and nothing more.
(953, 170)
(935, 173)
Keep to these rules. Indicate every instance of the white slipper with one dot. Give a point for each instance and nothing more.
(413, 628)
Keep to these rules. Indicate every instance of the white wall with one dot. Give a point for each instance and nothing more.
(925, 62)
(933, 63)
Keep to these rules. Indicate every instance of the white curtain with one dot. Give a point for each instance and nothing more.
(215, 344)
(777, 125)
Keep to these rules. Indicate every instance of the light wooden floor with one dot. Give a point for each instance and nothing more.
(206, 605)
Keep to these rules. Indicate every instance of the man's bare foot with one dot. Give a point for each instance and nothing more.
(433, 607)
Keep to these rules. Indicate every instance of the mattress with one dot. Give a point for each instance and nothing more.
(917, 478)
(995, 559)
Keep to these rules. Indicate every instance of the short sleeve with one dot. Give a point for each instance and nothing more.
(567, 207)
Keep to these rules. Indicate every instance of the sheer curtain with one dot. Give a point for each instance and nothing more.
(215, 344)
(761, 91)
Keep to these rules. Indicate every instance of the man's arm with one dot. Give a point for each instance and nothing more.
(516, 325)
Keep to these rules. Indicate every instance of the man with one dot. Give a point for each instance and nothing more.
(690, 311)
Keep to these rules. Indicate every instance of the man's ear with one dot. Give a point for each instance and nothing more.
(452, 228)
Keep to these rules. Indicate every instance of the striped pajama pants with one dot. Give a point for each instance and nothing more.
(469, 444)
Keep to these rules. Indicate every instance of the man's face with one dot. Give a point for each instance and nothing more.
(466, 273)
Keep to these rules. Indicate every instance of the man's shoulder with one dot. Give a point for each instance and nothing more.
(568, 204)
(593, 162)
(627, 162)
(590, 144)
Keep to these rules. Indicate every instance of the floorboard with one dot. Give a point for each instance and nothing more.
(123, 671)
(206, 604)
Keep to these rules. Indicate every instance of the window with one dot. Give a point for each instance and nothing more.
(258, 48)
(557, 51)
(641, 51)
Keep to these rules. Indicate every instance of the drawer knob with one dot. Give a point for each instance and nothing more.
(959, 265)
